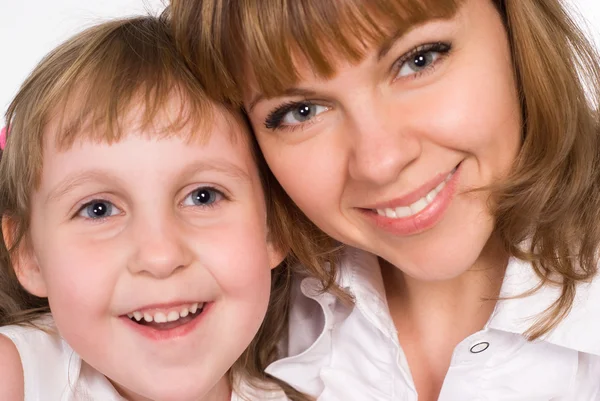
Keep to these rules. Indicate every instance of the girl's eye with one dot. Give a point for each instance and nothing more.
(98, 209)
(295, 113)
(204, 197)
(421, 59)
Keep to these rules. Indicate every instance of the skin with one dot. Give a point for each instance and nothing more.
(156, 246)
(382, 129)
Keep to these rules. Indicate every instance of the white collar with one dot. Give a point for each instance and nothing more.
(580, 330)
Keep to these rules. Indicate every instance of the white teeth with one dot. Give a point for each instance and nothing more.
(403, 211)
(172, 316)
(161, 317)
(418, 206)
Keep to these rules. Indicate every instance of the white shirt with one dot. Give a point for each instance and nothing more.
(352, 353)
(54, 372)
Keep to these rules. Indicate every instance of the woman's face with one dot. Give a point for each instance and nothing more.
(382, 156)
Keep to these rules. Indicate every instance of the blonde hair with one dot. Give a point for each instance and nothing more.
(89, 84)
(550, 201)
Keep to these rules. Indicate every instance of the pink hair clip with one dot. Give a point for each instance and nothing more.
(3, 138)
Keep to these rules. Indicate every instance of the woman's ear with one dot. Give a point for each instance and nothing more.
(23, 260)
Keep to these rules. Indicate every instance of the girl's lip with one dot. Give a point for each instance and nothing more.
(423, 220)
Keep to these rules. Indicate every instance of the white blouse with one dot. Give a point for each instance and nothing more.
(352, 353)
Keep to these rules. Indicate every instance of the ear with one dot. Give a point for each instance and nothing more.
(276, 255)
(23, 260)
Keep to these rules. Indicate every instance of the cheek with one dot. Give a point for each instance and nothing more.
(477, 115)
(311, 173)
(237, 256)
(80, 275)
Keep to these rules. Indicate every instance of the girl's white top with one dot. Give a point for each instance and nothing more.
(352, 353)
(54, 372)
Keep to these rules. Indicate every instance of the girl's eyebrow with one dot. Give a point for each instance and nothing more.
(78, 179)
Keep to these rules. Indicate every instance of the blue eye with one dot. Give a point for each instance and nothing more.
(421, 58)
(204, 196)
(294, 113)
(98, 209)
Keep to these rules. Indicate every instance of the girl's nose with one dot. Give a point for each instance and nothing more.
(160, 248)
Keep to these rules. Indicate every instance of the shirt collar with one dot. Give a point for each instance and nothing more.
(514, 313)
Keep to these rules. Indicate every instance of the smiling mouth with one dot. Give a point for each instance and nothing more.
(418, 206)
(162, 321)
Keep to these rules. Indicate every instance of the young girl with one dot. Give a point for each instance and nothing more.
(138, 245)
(456, 144)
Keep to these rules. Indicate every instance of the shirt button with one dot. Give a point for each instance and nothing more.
(480, 347)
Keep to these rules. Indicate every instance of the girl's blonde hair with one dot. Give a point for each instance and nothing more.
(551, 201)
(88, 85)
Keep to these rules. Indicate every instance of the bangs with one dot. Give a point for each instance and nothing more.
(132, 81)
(262, 40)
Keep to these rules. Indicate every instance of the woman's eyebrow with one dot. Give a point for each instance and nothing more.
(287, 92)
(389, 42)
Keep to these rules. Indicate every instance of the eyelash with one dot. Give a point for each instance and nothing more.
(275, 117)
(443, 48)
(100, 200)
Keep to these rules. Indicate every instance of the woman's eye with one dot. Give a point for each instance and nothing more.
(293, 114)
(302, 113)
(203, 197)
(98, 209)
(421, 59)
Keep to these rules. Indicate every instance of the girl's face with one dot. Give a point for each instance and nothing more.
(381, 155)
(165, 230)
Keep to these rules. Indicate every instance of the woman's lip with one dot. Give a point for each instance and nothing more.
(423, 220)
(412, 197)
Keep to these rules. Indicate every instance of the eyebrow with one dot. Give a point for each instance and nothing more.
(76, 180)
(389, 42)
(287, 92)
(384, 49)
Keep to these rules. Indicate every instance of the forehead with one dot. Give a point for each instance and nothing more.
(79, 119)
(321, 33)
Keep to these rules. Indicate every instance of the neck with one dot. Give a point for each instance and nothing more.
(220, 392)
(464, 302)
(433, 317)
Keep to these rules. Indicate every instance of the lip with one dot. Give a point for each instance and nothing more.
(168, 334)
(426, 218)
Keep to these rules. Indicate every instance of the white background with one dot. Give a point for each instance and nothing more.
(31, 28)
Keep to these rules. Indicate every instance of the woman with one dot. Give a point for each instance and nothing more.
(454, 144)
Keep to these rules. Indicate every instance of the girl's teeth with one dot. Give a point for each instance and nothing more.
(172, 316)
(407, 211)
(160, 317)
